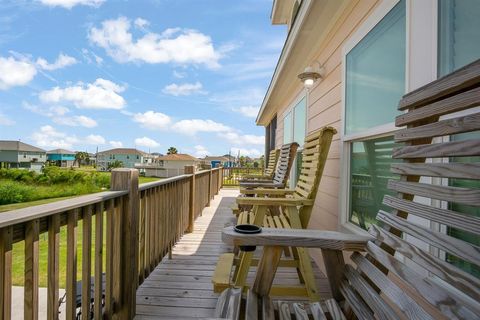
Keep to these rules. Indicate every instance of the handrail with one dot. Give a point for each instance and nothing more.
(17, 216)
(153, 184)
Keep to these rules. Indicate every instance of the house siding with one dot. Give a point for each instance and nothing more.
(324, 108)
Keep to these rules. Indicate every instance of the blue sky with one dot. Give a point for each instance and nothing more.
(150, 74)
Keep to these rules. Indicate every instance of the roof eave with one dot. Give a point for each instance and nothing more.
(287, 47)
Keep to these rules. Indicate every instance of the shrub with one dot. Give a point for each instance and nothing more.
(14, 192)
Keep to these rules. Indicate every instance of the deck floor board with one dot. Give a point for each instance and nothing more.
(181, 287)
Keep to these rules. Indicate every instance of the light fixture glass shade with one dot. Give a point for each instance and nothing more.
(308, 82)
(308, 76)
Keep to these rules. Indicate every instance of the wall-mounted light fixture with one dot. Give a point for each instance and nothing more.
(311, 74)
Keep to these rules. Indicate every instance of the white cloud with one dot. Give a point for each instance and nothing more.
(90, 57)
(146, 142)
(183, 46)
(68, 4)
(116, 144)
(76, 121)
(153, 120)
(5, 120)
(185, 89)
(15, 72)
(102, 94)
(58, 114)
(179, 74)
(192, 126)
(253, 153)
(201, 151)
(94, 139)
(247, 139)
(250, 112)
(61, 62)
(49, 137)
(141, 23)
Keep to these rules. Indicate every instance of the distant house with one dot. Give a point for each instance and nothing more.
(214, 161)
(169, 165)
(61, 158)
(128, 156)
(16, 154)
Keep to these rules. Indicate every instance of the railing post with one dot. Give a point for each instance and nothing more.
(209, 186)
(191, 202)
(127, 179)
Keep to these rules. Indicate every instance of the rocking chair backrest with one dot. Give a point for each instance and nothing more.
(314, 156)
(438, 272)
(287, 155)
(272, 162)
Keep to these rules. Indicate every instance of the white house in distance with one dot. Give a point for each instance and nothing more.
(17, 154)
(169, 165)
(129, 158)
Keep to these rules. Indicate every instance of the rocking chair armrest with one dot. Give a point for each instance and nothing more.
(291, 202)
(331, 240)
(266, 191)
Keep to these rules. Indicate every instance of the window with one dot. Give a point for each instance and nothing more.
(375, 76)
(458, 41)
(128, 157)
(369, 173)
(294, 123)
(458, 45)
(294, 130)
(374, 83)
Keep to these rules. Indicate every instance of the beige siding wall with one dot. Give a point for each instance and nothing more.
(325, 109)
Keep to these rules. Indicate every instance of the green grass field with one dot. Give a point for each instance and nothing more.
(19, 256)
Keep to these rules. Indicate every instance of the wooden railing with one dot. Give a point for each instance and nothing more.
(130, 229)
(232, 176)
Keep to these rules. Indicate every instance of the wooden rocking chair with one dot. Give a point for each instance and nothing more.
(282, 170)
(407, 269)
(269, 170)
(281, 208)
(280, 176)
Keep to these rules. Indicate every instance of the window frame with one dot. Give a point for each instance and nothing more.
(380, 131)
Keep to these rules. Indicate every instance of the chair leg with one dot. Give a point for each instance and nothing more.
(241, 272)
(305, 263)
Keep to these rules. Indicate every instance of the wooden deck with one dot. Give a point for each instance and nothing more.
(182, 287)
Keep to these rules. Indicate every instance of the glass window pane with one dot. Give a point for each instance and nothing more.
(465, 209)
(299, 127)
(458, 41)
(369, 174)
(287, 128)
(375, 74)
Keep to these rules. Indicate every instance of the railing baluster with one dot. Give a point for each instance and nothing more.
(71, 264)
(53, 265)
(116, 258)
(6, 272)
(109, 259)
(141, 266)
(31, 270)
(86, 261)
(98, 282)
(148, 222)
